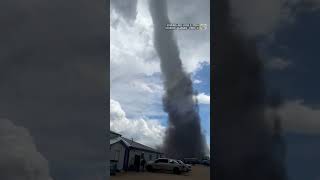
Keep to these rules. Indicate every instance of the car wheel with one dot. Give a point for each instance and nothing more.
(149, 168)
(176, 171)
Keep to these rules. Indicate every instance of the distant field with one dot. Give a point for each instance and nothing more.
(198, 172)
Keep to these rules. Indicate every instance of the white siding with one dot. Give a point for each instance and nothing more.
(118, 153)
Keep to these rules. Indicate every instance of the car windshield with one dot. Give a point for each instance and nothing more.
(180, 162)
(173, 161)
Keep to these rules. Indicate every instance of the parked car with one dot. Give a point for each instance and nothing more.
(192, 161)
(186, 167)
(165, 164)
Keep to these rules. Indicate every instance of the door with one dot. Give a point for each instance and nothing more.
(163, 164)
(156, 164)
(137, 161)
(171, 165)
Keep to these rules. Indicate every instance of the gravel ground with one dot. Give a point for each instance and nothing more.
(198, 172)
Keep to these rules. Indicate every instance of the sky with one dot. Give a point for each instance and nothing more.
(136, 88)
(287, 34)
(297, 79)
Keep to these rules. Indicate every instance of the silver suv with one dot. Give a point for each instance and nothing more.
(165, 164)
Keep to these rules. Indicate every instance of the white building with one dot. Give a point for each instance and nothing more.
(126, 151)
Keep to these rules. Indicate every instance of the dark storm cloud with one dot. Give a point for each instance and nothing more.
(269, 16)
(244, 144)
(53, 80)
(183, 135)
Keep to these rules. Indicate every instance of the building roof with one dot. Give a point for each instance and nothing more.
(132, 144)
(137, 145)
(112, 132)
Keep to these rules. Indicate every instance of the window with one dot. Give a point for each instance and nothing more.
(163, 160)
(173, 162)
(150, 157)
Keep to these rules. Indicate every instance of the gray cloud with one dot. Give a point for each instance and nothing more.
(53, 75)
(191, 13)
(127, 9)
(19, 158)
(265, 17)
(194, 45)
(299, 117)
(260, 17)
(278, 63)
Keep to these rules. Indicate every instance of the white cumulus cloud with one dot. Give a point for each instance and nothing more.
(197, 81)
(145, 131)
(203, 98)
